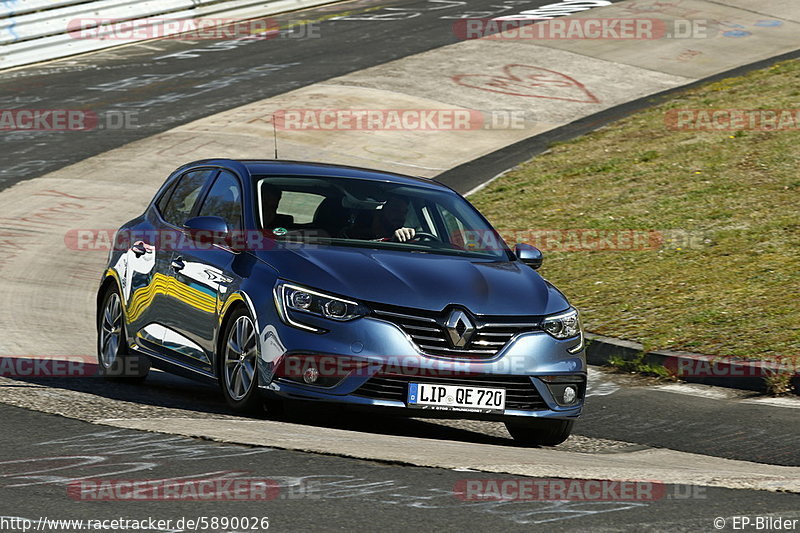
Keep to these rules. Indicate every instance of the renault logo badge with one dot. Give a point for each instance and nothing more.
(459, 328)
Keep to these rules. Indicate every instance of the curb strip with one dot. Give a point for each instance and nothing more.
(719, 371)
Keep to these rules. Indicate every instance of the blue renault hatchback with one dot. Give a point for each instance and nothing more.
(287, 281)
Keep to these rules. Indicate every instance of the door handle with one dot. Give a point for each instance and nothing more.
(138, 248)
(177, 264)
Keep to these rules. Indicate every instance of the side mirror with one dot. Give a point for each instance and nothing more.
(209, 230)
(530, 255)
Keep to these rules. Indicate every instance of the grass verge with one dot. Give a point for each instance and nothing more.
(725, 279)
(638, 366)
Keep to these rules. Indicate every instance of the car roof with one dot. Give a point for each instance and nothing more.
(306, 168)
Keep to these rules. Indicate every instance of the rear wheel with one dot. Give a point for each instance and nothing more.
(540, 432)
(238, 363)
(113, 357)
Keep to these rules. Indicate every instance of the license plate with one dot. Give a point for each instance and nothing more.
(456, 398)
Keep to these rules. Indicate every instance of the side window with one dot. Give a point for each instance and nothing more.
(412, 216)
(456, 232)
(224, 200)
(180, 203)
(301, 205)
(426, 220)
(162, 202)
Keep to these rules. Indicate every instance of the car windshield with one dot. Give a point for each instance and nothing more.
(367, 213)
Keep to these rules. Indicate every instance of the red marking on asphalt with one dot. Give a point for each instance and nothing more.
(531, 82)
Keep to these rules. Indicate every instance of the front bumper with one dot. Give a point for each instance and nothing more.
(379, 360)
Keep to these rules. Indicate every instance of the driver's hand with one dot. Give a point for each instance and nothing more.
(404, 234)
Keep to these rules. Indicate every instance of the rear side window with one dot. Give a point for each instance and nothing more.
(162, 202)
(224, 200)
(179, 206)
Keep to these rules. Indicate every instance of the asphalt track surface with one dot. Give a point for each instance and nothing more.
(618, 408)
(165, 86)
(171, 82)
(315, 493)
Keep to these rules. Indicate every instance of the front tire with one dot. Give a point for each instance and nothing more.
(540, 432)
(114, 360)
(238, 363)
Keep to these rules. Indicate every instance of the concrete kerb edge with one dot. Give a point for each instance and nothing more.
(513, 467)
(734, 373)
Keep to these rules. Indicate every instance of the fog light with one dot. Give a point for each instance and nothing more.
(311, 375)
(570, 394)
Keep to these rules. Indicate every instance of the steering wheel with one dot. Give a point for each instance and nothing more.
(424, 236)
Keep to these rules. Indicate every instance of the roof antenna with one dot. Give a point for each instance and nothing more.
(275, 135)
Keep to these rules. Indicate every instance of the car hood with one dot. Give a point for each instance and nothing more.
(420, 280)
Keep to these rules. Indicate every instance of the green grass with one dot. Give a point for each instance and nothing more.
(728, 283)
(638, 366)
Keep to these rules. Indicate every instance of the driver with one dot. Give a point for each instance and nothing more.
(388, 222)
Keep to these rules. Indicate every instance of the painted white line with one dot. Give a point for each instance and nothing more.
(486, 183)
(599, 384)
(718, 393)
(50, 37)
(701, 391)
(781, 401)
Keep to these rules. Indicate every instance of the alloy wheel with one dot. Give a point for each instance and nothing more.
(240, 358)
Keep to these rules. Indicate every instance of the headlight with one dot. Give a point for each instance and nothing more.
(293, 300)
(563, 326)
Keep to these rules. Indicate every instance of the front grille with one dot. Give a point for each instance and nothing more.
(520, 392)
(427, 330)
